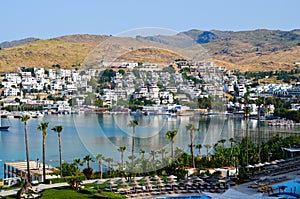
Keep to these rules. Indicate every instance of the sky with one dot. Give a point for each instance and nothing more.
(51, 18)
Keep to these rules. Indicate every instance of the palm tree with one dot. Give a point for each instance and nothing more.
(43, 128)
(88, 159)
(207, 146)
(171, 136)
(77, 162)
(162, 152)
(100, 158)
(258, 103)
(153, 154)
(24, 119)
(142, 153)
(109, 161)
(122, 149)
(191, 127)
(133, 124)
(58, 130)
(222, 141)
(247, 111)
(199, 146)
(231, 140)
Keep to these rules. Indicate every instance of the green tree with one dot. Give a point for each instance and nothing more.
(121, 71)
(191, 128)
(171, 136)
(88, 159)
(207, 146)
(247, 111)
(98, 102)
(77, 162)
(109, 161)
(58, 130)
(100, 158)
(259, 102)
(24, 119)
(153, 155)
(122, 149)
(43, 126)
(106, 75)
(133, 124)
(199, 146)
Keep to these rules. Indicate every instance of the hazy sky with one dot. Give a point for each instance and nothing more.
(51, 18)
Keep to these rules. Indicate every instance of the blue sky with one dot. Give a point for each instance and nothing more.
(47, 19)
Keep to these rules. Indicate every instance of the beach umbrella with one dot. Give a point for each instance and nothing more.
(122, 182)
(110, 180)
(171, 180)
(205, 176)
(146, 178)
(259, 165)
(134, 179)
(111, 184)
(155, 178)
(267, 163)
(197, 179)
(171, 177)
(188, 183)
(273, 162)
(173, 184)
(249, 166)
(98, 182)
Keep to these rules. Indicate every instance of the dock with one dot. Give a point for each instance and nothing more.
(19, 169)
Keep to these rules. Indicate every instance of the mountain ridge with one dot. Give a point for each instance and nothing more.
(259, 49)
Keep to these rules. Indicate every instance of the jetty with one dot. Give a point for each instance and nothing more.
(19, 169)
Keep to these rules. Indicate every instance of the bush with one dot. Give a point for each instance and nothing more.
(88, 172)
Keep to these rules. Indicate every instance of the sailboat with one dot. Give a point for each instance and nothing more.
(3, 128)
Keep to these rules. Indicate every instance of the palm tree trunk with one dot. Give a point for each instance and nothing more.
(122, 157)
(27, 152)
(247, 153)
(132, 150)
(101, 170)
(60, 154)
(44, 158)
(173, 158)
(259, 134)
(192, 149)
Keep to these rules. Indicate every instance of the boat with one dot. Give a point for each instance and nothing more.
(3, 128)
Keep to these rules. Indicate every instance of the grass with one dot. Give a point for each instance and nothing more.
(43, 53)
(68, 192)
(247, 50)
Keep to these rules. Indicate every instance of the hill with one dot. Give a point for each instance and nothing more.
(43, 53)
(9, 44)
(246, 50)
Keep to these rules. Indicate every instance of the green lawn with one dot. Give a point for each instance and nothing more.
(68, 192)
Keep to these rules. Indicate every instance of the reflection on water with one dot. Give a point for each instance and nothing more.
(105, 133)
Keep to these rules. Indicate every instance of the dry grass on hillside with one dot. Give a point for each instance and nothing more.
(43, 53)
(91, 49)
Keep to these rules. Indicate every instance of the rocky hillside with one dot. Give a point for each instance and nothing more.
(245, 50)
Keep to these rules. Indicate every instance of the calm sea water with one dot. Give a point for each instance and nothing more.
(104, 133)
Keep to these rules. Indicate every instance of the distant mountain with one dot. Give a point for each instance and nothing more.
(9, 44)
(246, 50)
